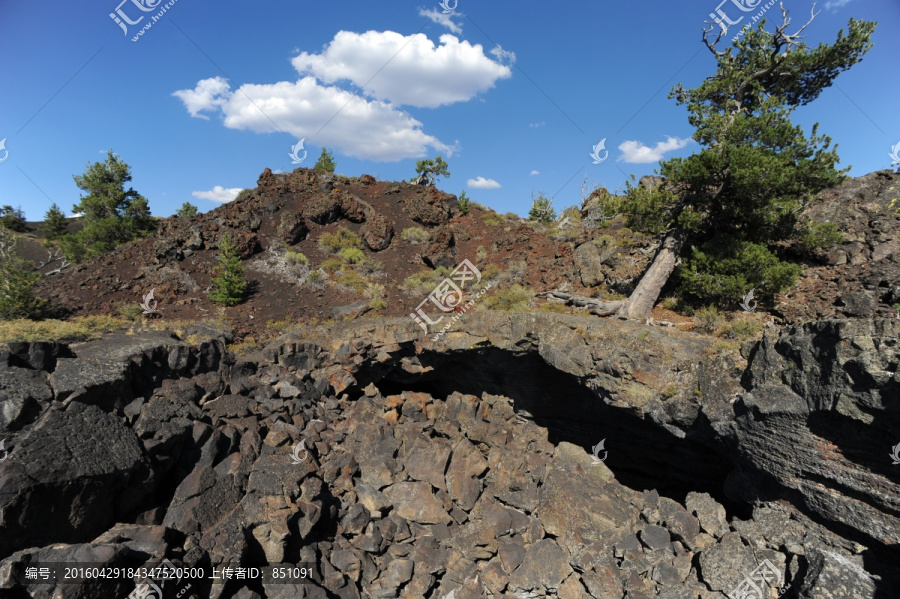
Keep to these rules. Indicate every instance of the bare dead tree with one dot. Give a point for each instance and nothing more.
(51, 258)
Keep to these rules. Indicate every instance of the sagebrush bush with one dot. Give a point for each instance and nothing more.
(424, 281)
(317, 280)
(492, 219)
(415, 235)
(351, 280)
(332, 265)
(352, 255)
(339, 240)
(375, 293)
(130, 312)
(708, 318)
(296, 258)
(510, 298)
(740, 329)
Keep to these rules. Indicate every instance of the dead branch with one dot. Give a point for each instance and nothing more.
(594, 306)
(51, 258)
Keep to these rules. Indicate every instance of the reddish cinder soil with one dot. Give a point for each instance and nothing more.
(857, 278)
(103, 285)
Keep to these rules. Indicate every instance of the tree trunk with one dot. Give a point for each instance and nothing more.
(643, 298)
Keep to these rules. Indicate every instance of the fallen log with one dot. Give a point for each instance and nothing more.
(594, 306)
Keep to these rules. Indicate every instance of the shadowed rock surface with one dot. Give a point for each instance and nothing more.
(400, 466)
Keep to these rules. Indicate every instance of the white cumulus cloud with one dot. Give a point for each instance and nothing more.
(535, 172)
(207, 95)
(356, 127)
(444, 20)
(637, 152)
(390, 69)
(482, 183)
(218, 194)
(405, 69)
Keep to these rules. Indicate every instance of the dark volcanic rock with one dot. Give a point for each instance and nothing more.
(402, 466)
(70, 478)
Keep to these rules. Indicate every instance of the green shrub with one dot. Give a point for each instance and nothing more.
(424, 281)
(375, 293)
(351, 280)
(740, 329)
(339, 240)
(725, 269)
(130, 312)
(814, 236)
(332, 265)
(670, 303)
(510, 298)
(464, 202)
(317, 280)
(414, 235)
(492, 219)
(352, 255)
(81, 328)
(491, 272)
(708, 318)
(481, 254)
(17, 280)
(229, 285)
(296, 258)
(370, 267)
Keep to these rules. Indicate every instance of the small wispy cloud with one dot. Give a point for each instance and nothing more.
(218, 194)
(636, 152)
(533, 125)
(441, 19)
(535, 172)
(833, 4)
(503, 55)
(482, 183)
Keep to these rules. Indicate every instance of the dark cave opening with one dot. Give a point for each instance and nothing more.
(642, 454)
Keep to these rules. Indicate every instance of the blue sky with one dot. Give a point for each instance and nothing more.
(514, 95)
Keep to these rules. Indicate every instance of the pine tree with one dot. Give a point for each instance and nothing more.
(429, 169)
(112, 215)
(12, 218)
(325, 163)
(229, 285)
(542, 210)
(17, 279)
(187, 210)
(55, 223)
(725, 209)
